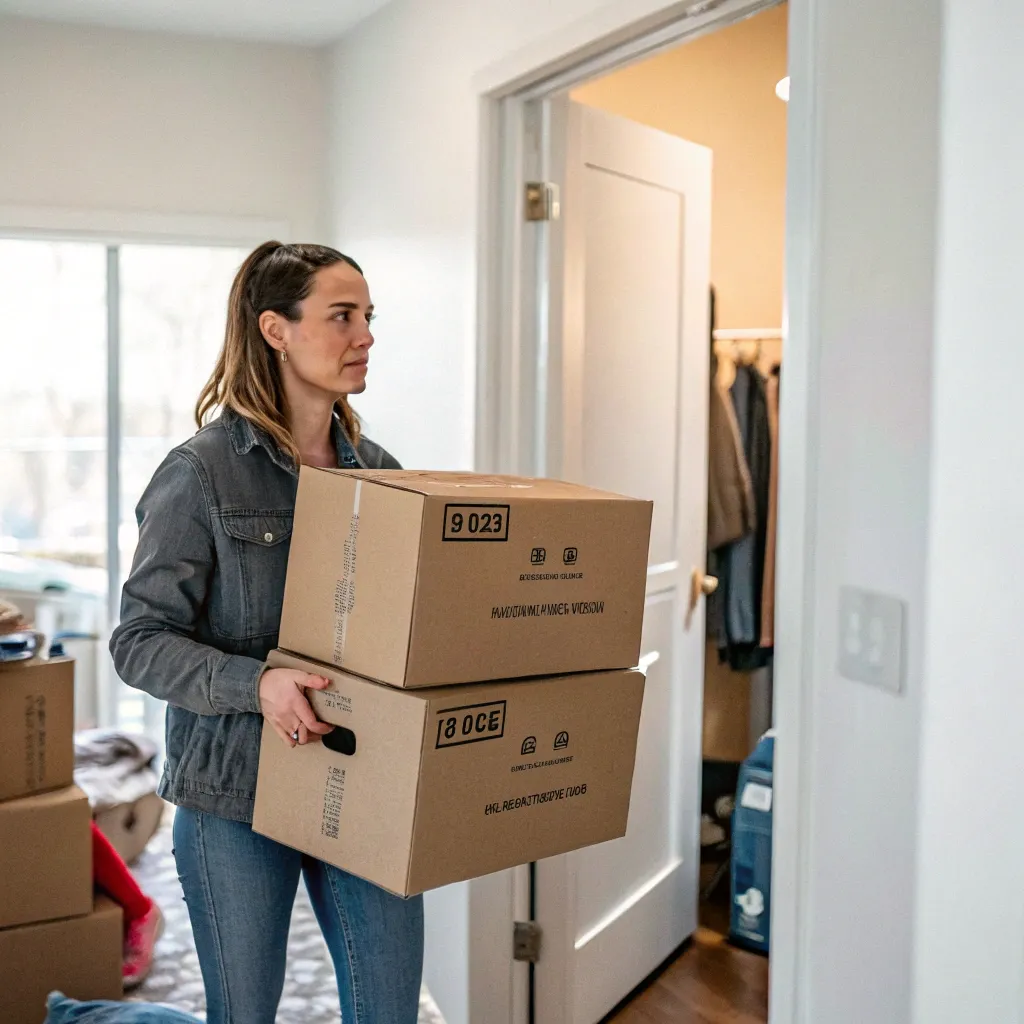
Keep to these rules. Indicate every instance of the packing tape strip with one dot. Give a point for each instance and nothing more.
(345, 589)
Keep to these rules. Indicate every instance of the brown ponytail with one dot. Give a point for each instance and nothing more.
(247, 377)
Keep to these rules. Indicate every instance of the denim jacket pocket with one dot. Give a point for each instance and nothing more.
(260, 542)
(268, 529)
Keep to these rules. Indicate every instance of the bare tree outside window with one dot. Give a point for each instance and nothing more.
(173, 309)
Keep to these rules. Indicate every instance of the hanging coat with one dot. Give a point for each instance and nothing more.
(768, 587)
(744, 560)
(731, 512)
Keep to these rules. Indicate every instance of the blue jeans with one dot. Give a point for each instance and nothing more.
(240, 889)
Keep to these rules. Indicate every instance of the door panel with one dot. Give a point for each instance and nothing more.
(631, 365)
(610, 874)
(627, 411)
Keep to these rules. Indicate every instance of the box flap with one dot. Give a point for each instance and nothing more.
(33, 663)
(474, 486)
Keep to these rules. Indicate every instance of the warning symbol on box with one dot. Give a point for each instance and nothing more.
(538, 556)
(561, 741)
(529, 745)
(569, 556)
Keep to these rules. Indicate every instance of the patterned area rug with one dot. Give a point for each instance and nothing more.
(310, 990)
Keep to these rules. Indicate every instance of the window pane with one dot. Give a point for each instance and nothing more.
(173, 309)
(53, 412)
(53, 458)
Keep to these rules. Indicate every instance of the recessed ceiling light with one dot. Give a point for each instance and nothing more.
(782, 89)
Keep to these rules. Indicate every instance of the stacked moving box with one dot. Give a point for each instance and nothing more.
(478, 633)
(52, 933)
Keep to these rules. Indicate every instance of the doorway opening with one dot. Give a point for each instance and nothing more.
(642, 350)
(727, 92)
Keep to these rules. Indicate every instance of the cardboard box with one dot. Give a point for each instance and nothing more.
(726, 711)
(45, 857)
(80, 957)
(426, 579)
(415, 789)
(130, 826)
(37, 721)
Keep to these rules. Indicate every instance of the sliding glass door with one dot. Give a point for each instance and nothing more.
(104, 350)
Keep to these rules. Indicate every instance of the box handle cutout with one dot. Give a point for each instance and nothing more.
(341, 741)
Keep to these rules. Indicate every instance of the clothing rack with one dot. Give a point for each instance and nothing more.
(735, 337)
(749, 334)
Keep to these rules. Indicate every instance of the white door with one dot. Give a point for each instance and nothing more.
(628, 357)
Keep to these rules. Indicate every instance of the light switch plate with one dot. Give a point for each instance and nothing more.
(871, 630)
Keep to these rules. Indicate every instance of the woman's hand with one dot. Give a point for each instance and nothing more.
(284, 705)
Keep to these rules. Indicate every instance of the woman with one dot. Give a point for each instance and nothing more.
(200, 612)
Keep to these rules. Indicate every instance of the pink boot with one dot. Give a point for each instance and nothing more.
(139, 944)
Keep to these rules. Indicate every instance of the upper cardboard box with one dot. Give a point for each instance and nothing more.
(424, 579)
(37, 719)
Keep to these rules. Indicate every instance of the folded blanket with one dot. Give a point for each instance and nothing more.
(113, 767)
(62, 1010)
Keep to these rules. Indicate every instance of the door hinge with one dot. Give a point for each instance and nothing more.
(526, 937)
(541, 201)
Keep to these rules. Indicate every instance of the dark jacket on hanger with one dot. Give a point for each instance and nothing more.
(743, 561)
(768, 589)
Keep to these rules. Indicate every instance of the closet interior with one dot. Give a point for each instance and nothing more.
(726, 91)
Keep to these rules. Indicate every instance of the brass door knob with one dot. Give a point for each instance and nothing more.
(701, 584)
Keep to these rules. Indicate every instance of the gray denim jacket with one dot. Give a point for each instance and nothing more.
(201, 608)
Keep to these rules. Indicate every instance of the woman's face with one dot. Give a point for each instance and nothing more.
(328, 347)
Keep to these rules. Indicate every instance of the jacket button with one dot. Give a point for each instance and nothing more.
(268, 537)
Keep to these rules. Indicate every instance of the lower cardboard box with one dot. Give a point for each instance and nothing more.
(80, 957)
(416, 789)
(45, 857)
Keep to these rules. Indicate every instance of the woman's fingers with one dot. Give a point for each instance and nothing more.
(286, 736)
(309, 719)
(290, 713)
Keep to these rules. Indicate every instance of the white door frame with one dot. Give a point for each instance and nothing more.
(507, 432)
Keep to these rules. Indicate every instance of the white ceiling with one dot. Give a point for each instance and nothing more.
(307, 22)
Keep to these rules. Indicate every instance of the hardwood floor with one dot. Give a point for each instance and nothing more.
(711, 983)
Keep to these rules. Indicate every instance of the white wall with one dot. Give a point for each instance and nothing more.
(404, 182)
(446, 915)
(104, 120)
(878, 91)
(970, 892)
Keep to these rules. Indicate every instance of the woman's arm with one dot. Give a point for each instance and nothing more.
(152, 648)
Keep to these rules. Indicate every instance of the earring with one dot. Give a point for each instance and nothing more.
(284, 357)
